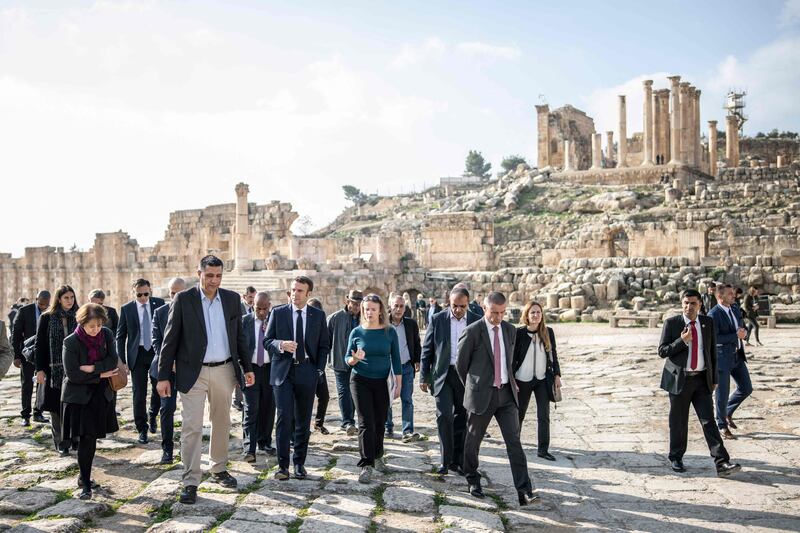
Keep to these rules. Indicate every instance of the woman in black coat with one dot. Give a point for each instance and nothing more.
(537, 371)
(55, 325)
(87, 402)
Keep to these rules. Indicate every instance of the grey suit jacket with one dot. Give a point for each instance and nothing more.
(475, 365)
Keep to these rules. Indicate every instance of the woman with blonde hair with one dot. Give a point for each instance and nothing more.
(373, 351)
(536, 370)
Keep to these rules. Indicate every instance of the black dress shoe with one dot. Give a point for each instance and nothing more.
(188, 494)
(166, 458)
(282, 474)
(26, 421)
(726, 469)
(476, 490)
(442, 470)
(677, 465)
(270, 450)
(92, 484)
(40, 419)
(322, 429)
(300, 472)
(63, 452)
(455, 467)
(546, 455)
(86, 494)
(224, 479)
(153, 425)
(143, 437)
(262, 447)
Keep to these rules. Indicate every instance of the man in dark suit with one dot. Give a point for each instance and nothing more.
(135, 348)
(731, 360)
(433, 308)
(259, 401)
(25, 323)
(166, 413)
(485, 366)
(97, 296)
(438, 374)
(709, 299)
(410, 352)
(688, 344)
(205, 342)
(298, 343)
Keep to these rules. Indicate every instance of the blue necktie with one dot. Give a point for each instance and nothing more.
(147, 329)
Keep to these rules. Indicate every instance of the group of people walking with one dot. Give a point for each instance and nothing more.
(208, 342)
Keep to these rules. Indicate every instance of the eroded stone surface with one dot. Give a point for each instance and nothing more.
(184, 524)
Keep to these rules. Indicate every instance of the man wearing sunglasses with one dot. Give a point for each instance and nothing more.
(135, 348)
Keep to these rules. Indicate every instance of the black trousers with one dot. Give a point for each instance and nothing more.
(140, 382)
(371, 398)
(259, 411)
(451, 419)
(26, 373)
(752, 324)
(502, 408)
(695, 392)
(294, 402)
(86, 450)
(166, 415)
(323, 397)
(537, 388)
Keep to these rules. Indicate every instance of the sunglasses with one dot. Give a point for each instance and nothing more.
(142, 294)
(372, 298)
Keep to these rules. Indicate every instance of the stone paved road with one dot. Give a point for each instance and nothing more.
(609, 435)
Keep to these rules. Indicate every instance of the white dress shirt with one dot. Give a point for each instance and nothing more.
(731, 316)
(535, 362)
(304, 313)
(503, 366)
(143, 308)
(405, 353)
(257, 325)
(456, 328)
(701, 360)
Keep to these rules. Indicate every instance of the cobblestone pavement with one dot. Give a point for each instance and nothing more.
(609, 435)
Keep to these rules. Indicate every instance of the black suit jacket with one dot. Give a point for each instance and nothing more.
(281, 328)
(186, 339)
(76, 387)
(435, 361)
(24, 328)
(676, 352)
(523, 341)
(248, 323)
(159, 327)
(113, 319)
(412, 338)
(128, 330)
(475, 365)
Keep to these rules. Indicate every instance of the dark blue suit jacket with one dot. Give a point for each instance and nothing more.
(281, 328)
(128, 330)
(159, 327)
(727, 341)
(435, 360)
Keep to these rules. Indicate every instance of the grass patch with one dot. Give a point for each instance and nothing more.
(377, 495)
(294, 526)
(39, 437)
(327, 476)
(439, 499)
(177, 424)
(162, 513)
(501, 505)
(221, 519)
(63, 495)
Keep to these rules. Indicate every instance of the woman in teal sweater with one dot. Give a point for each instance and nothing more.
(373, 350)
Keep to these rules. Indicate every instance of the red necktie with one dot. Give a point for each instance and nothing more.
(497, 381)
(695, 345)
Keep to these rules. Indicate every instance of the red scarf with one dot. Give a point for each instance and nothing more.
(94, 344)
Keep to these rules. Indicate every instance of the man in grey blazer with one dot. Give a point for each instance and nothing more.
(485, 358)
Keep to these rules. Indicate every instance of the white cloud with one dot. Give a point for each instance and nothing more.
(488, 51)
(412, 54)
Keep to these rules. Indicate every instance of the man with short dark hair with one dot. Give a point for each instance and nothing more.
(410, 351)
(205, 342)
(485, 366)
(298, 341)
(340, 324)
(259, 401)
(709, 299)
(135, 349)
(26, 322)
(689, 346)
(248, 300)
(97, 296)
(439, 376)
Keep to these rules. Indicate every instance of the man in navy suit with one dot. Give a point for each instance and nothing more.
(298, 342)
(438, 374)
(731, 360)
(135, 348)
(168, 404)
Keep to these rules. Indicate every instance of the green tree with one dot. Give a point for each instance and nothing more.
(353, 194)
(477, 166)
(511, 162)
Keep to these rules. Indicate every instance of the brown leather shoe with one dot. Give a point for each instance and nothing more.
(726, 434)
(731, 425)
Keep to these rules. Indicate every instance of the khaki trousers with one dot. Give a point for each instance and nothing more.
(215, 383)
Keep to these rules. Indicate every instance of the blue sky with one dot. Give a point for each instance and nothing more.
(136, 109)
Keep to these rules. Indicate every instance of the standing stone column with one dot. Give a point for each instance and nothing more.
(683, 106)
(597, 139)
(712, 147)
(567, 159)
(241, 231)
(648, 123)
(732, 140)
(609, 147)
(698, 150)
(623, 134)
(543, 127)
(675, 122)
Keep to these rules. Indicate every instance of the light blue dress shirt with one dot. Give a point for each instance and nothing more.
(218, 349)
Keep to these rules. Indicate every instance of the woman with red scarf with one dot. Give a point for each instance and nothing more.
(89, 358)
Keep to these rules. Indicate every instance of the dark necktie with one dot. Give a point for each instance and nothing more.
(147, 329)
(260, 349)
(695, 346)
(497, 378)
(300, 353)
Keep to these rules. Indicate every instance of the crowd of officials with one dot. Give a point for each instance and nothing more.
(209, 345)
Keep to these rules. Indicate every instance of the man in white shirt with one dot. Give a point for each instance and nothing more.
(410, 350)
(259, 402)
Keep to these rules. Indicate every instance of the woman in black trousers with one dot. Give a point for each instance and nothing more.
(537, 371)
(54, 326)
(87, 400)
